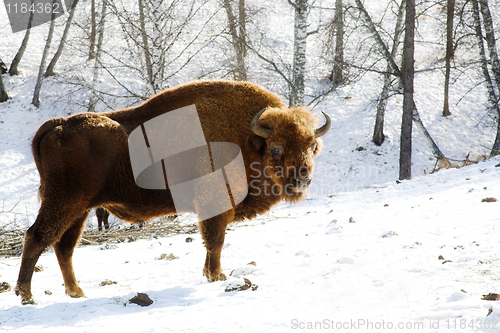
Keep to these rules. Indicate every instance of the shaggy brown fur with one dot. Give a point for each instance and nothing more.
(84, 162)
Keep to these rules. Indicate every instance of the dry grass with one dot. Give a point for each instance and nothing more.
(12, 239)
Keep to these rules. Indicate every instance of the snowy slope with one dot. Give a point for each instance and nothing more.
(367, 256)
(361, 253)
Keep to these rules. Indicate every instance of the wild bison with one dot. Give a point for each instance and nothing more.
(84, 162)
(102, 217)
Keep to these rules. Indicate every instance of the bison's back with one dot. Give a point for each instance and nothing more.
(225, 108)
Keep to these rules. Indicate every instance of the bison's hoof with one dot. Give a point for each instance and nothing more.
(216, 277)
(75, 292)
(25, 301)
(26, 297)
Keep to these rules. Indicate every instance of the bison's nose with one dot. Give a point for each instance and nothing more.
(301, 182)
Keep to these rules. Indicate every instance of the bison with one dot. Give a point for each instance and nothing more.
(84, 162)
(102, 217)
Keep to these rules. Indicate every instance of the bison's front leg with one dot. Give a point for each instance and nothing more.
(213, 231)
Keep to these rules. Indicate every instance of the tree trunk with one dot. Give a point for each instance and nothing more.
(449, 53)
(378, 132)
(416, 117)
(52, 64)
(492, 95)
(240, 71)
(490, 40)
(93, 29)
(378, 39)
(408, 70)
(3, 92)
(36, 94)
(242, 19)
(338, 60)
(146, 50)
(97, 65)
(297, 90)
(17, 59)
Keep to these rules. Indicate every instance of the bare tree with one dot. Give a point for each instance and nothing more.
(406, 124)
(97, 60)
(297, 90)
(396, 71)
(93, 29)
(493, 97)
(13, 70)
(161, 41)
(495, 66)
(237, 32)
(383, 48)
(490, 40)
(57, 55)
(337, 76)
(147, 52)
(449, 53)
(3, 92)
(378, 132)
(36, 94)
(242, 23)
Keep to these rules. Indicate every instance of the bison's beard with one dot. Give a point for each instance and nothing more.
(296, 197)
(292, 194)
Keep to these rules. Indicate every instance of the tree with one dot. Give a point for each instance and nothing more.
(378, 131)
(337, 76)
(147, 52)
(493, 97)
(237, 32)
(409, 71)
(495, 67)
(167, 40)
(3, 92)
(297, 89)
(36, 95)
(97, 58)
(490, 40)
(93, 29)
(449, 53)
(13, 70)
(57, 55)
(396, 72)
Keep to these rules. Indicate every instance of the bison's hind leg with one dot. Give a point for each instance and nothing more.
(34, 245)
(64, 251)
(59, 230)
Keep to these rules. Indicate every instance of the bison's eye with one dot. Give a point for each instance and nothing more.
(276, 149)
(275, 152)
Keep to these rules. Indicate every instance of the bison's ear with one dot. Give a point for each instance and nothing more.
(257, 143)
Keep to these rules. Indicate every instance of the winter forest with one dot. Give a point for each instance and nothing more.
(123, 52)
(400, 227)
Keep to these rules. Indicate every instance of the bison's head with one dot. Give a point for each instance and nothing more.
(288, 140)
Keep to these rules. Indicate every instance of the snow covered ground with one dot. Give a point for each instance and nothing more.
(355, 259)
(362, 253)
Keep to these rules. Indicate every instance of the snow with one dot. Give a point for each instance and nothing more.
(362, 252)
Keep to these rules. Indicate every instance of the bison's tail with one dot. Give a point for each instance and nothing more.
(35, 147)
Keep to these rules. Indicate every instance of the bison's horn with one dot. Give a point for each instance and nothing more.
(259, 130)
(325, 128)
